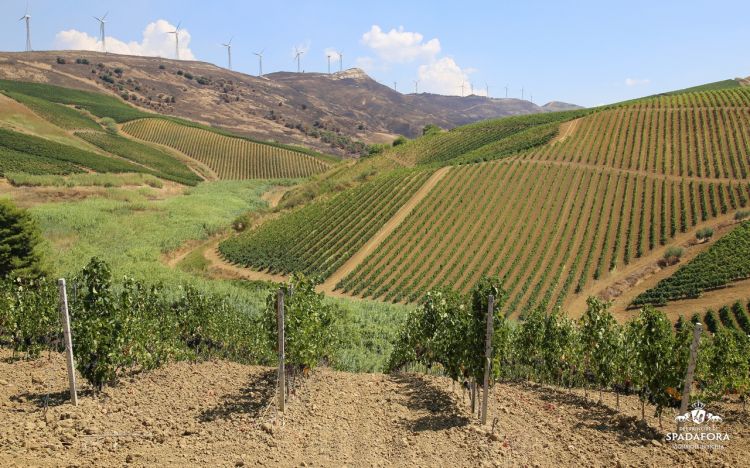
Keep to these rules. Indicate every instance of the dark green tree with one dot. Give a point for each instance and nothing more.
(19, 238)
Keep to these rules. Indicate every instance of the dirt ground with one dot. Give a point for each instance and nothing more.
(223, 414)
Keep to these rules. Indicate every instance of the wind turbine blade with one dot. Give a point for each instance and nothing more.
(178, 26)
(105, 16)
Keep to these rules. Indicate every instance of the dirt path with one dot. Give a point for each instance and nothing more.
(219, 413)
(622, 286)
(220, 268)
(566, 130)
(330, 283)
(217, 266)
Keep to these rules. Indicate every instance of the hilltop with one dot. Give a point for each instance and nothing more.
(326, 112)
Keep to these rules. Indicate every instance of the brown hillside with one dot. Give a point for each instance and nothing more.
(279, 106)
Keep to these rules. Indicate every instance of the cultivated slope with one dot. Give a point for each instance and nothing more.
(562, 214)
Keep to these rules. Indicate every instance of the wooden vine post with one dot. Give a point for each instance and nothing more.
(488, 354)
(280, 325)
(690, 369)
(65, 319)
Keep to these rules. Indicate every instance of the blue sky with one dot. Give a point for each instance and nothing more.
(587, 52)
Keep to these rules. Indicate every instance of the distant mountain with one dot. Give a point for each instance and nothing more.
(325, 112)
(555, 106)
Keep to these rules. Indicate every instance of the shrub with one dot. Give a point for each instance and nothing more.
(161, 66)
(712, 322)
(400, 140)
(704, 234)
(431, 129)
(672, 254)
(19, 238)
(309, 324)
(82, 61)
(61, 60)
(741, 214)
(109, 124)
(188, 75)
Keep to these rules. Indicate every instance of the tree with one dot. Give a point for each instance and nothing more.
(431, 129)
(19, 238)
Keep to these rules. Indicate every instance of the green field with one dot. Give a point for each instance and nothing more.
(101, 105)
(163, 164)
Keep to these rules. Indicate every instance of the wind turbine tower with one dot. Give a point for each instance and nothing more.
(462, 89)
(26, 16)
(471, 87)
(416, 86)
(101, 31)
(506, 91)
(297, 56)
(228, 45)
(487, 89)
(329, 63)
(395, 87)
(522, 94)
(176, 33)
(260, 62)
(341, 61)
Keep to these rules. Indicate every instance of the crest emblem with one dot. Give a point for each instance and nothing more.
(698, 415)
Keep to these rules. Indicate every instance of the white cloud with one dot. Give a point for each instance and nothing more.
(444, 76)
(399, 46)
(436, 74)
(636, 82)
(156, 42)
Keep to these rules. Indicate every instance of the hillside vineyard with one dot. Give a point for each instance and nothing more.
(230, 158)
(554, 215)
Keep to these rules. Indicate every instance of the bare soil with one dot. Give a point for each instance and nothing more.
(219, 413)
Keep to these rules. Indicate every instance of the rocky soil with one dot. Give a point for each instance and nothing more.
(223, 414)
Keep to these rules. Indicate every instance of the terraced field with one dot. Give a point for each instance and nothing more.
(549, 229)
(725, 261)
(483, 140)
(320, 237)
(230, 158)
(700, 135)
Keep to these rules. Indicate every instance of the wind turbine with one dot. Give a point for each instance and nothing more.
(487, 89)
(471, 86)
(395, 87)
(341, 60)
(522, 93)
(26, 16)
(297, 54)
(176, 33)
(329, 63)
(260, 61)
(506, 91)
(228, 45)
(101, 30)
(462, 89)
(416, 86)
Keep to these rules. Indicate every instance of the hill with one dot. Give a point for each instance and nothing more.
(55, 130)
(331, 113)
(562, 205)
